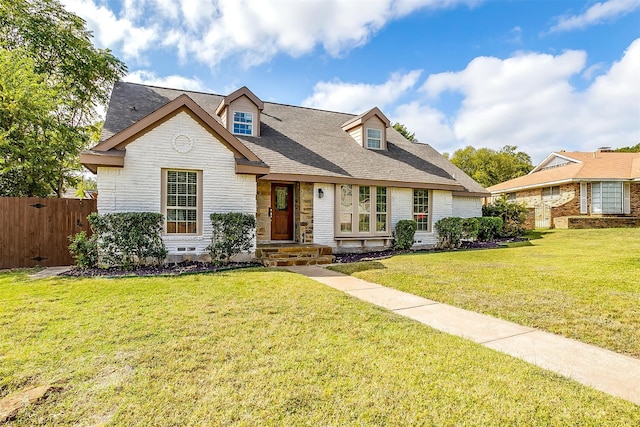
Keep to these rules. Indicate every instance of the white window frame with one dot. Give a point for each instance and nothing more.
(244, 120)
(349, 211)
(419, 214)
(553, 193)
(168, 205)
(583, 198)
(370, 141)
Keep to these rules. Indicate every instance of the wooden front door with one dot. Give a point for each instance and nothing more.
(281, 212)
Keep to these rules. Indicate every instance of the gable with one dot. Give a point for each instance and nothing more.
(98, 155)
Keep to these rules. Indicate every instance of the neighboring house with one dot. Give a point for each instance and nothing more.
(309, 176)
(580, 190)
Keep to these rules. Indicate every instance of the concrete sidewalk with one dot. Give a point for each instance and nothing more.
(601, 369)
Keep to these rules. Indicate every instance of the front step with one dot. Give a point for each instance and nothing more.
(287, 255)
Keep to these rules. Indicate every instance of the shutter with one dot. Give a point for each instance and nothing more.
(626, 198)
(583, 197)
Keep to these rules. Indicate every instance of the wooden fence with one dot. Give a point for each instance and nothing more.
(34, 231)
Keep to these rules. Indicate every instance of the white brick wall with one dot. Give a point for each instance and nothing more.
(467, 207)
(137, 186)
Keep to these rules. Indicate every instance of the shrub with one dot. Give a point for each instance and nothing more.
(470, 228)
(404, 234)
(232, 233)
(449, 232)
(129, 239)
(489, 228)
(84, 250)
(513, 216)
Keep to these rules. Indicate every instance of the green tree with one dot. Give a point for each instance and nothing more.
(411, 136)
(489, 167)
(632, 149)
(71, 78)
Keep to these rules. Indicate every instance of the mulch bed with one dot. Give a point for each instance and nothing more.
(190, 267)
(187, 267)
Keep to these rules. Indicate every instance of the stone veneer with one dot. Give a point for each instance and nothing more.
(302, 215)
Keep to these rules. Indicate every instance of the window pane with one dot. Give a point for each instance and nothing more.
(364, 223)
(345, 222)
(381, 199)
(381, 222)
(182, 189)
(364, 200)
(374, 138)
(421, 209)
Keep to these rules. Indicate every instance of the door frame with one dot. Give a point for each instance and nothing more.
(290, 214)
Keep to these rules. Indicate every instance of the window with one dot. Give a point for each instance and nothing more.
(374, 139)
(606, 197)
(242, 123)
(511, 197)
(550, 193)
(181, 202)
(421, 209)
(363, 210)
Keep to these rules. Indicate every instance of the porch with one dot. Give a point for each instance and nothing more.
(289, 254)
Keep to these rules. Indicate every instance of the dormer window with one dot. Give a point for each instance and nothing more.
(242, 123)
(374, 139)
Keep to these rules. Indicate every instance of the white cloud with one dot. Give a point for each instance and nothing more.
(173, 81)
(252, 31)
(358, 98)
(112, 32)
(528, 100)
(596, 14)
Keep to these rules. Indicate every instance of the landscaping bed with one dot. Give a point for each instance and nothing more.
(175, 269)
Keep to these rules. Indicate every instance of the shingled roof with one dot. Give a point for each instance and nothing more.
(305, 144)
(580, 166)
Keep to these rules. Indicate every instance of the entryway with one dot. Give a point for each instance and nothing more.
(543, 216)
(282, 212)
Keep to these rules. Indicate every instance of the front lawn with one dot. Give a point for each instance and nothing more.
(583, 284)
(260, 347)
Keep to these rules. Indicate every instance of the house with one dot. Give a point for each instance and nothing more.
(579, 190)
(311, 177)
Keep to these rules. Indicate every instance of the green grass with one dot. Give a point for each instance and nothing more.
(583, 284)
(260, 347)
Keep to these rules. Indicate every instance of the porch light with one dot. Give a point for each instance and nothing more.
(320, 193)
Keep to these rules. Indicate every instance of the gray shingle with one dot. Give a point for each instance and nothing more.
(302, 141)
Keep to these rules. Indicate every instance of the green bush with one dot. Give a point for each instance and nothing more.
(404, 234)
(513, 216)
(449, 232)
(489, 228)
(84, 250)
(469, 228)
(232, 233)
(129, 239)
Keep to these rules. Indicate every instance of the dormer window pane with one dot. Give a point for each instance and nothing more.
(242, 123)
(374, 139)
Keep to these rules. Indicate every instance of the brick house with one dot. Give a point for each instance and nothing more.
(318, 180)
(579, 190)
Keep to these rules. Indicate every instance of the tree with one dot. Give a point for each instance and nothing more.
(489, 167)
(632, 149)
(411, 136)
(71, 78)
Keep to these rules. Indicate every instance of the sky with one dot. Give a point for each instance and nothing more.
(543, 75)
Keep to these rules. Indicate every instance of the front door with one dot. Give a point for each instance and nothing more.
(281, 212)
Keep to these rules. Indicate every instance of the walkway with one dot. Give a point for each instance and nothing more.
(601, 369)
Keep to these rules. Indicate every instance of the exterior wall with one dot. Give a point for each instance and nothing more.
(304, 212)
(441, 206)
(323, 215)
(576, 222)
(263, 203)
(245, 105)
(137, 186)
(635, 198)
(356, 134)
(467, 207)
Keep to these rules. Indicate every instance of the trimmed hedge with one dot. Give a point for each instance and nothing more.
(404, 234)
(232, 233)
(489, 228)
(129, 239)
(452, 230)
(513, 216)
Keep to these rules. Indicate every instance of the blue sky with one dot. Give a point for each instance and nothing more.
(540, 74)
